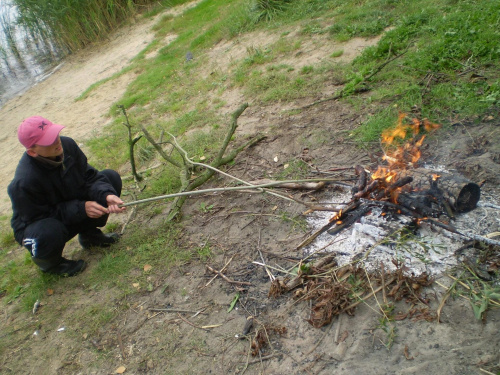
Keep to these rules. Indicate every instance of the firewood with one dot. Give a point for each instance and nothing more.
(361, 183)
(461, 193)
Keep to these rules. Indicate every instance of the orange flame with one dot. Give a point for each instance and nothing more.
(337, 217)
(409, 153)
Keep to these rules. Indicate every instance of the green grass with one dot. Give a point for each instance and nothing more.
(21, 280)
(294, 169)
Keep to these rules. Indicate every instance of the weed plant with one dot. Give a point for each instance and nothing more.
(74, 24)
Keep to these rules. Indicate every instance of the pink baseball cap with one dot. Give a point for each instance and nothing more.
(37, 130)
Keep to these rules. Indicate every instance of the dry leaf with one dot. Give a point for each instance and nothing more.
(344, 335)
(50, 292)
(136, 285)
(407, 354)
(120, 370)
(147, 267)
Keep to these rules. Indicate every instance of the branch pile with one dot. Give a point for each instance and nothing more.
(333, 290)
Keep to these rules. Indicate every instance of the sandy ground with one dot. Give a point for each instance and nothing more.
(241, 228)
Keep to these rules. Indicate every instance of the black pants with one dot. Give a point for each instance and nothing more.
(46, 238)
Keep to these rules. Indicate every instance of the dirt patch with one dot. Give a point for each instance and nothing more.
(240, 229)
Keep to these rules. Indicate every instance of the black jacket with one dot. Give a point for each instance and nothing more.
(39, 191)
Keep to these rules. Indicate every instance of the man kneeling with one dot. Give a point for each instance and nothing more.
(56, 195)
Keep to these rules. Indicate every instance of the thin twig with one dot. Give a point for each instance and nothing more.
(120, 344)
(445, 297)
(227, 278)
(490, 205)
(271, 276)
(177, 311)
(274, 268)
(486, 371)
(191, 324)
(327, 331)
(221, 270)
(382, 270)
(343, 92)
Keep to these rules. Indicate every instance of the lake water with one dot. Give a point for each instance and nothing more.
(24, 61)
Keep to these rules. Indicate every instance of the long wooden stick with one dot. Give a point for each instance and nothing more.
(204, 191)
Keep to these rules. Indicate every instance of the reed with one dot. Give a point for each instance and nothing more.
(73, 24)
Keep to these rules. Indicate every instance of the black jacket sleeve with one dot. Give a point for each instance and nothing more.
(38, 192)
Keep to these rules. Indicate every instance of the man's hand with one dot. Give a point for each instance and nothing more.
(113, 202)
(94, 210)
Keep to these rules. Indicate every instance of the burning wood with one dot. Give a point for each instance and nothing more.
(460, 193)
(400, 188)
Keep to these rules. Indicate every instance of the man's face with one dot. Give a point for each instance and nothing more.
(52, 151)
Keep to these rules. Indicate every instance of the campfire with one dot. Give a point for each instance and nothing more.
(400, 188)
(401, 209)
(401, 226)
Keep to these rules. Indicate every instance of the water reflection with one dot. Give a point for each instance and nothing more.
(25, 56)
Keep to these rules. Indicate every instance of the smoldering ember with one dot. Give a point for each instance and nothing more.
(420, 217)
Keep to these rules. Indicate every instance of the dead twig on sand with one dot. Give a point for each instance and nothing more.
(227, 278)
(265, 358)
(191, 324)
(120, 344)
(177, 311)
(271, 276)
(221, 270)
(445, 297)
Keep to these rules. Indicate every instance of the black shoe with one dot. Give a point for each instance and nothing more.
(95, 238)
(63, 267)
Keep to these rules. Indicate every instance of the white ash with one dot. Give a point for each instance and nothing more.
(432, 249)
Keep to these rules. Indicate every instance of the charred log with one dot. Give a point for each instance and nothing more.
(387, 192)
(461, 194)
(349, 219)
(361, 183)
(367, 190)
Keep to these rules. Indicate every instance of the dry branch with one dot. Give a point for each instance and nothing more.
(227, 278)
(131, 144)
(358, 87)
(213, 190)
(293, 185)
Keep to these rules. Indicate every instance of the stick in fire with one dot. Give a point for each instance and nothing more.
(402, 188)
